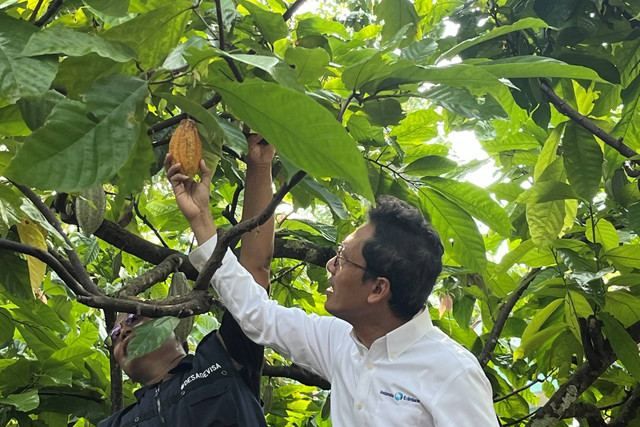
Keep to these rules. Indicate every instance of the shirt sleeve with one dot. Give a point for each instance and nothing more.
(465, 400)
(308, 340)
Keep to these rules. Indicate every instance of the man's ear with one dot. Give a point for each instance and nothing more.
(380, 290)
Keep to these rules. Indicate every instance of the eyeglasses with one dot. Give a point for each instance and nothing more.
(130, 321)
(339, 256)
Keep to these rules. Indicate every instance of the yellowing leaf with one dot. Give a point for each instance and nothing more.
(31, 233)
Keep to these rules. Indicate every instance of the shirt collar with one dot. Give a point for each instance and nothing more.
(408, 334)
(401, 338)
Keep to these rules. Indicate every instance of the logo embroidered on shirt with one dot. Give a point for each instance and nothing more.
(400, 396)
(199, 375)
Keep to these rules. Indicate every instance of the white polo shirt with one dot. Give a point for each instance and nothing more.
(414, 376)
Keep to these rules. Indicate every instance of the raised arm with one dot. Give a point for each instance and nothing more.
(257, 245)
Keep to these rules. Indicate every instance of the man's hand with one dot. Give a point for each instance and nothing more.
(260, 153)
(192, 198)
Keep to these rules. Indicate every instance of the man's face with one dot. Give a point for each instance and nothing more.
(121, 335)
(347, 295)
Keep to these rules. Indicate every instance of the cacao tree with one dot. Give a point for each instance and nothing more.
(360, 98)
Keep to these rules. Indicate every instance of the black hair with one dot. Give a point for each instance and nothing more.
(407, 250)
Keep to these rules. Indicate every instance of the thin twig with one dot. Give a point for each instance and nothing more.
(176, 119)
(228, 60)
(505, 310)
(35, 11)
(147, 222)
(53, 8)
(563, 107)
(345, 104)
(226, 237)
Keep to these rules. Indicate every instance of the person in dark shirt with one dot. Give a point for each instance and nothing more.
(220, 384)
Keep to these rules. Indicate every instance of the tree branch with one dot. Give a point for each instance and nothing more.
(48, 259)
(79, 271)
(289, 13)
(564, 108)
(196, 302)
(53, 8)
(156, 275)
(345, 105)
(505, 310)
(35, 11)
(628, 411)
(226, 237)
(567, 393)
(297, 373)
(147, 222)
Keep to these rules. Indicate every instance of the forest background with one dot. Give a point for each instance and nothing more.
(542, 265)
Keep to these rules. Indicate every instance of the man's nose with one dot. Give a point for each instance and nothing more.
(330, 266)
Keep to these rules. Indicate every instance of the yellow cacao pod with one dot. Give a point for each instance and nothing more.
(186, 147)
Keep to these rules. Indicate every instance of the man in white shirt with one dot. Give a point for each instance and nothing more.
(387, 364)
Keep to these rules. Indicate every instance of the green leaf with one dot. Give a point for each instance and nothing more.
(555, 13)
(420, 51)
(396, 14)
(110, 7)
(461, 102)
(474, 200)
(547, 191)
(35, 111)
(333, 201)
(361, 130)
(89, 143)
(628, 127)
(546, 220)
(150, 336)
(14, 275)
(514, 256)
(152, 35)
(549, 151)
(535, 341)
(67, 354)
(65, 41)
(24, 402)
(6, 325)
(301, 129)
(309, 25)
(9, 209)
(582, 160)
(383, 112)
(624, 256)
(21, 77)
(11, 122)
(310, 64)
(523, 24)
(623, 305)
(633, 215)
(430, 166)
(360, 73)
(537, 66)
(458, 231)
(137, 169)
(419, 126)
(271, 25)
(605, 234)
(625, 347)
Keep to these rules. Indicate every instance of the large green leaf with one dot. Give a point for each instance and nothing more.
(14, 275)
(82, 145)
(582, 160)
(25, 401)
(628, 127)
(523, 24)
(6, 325)
(549, 152)
(65, 41)
(623, 305)
(625, 347)
(355, 76)
(310, 64)
(150, 336)
(624, 256)
(474, 200)
(461, 102)
(397, 14)
(21, 77)
(301, 129)
(547, 191)
(11, 122)
(458, 231)
(271, 25)
(534, 335)
(537, 66)
(514, 256)
(9, 209)
(152, 35)
(430, 166)
(633, 215)
(604, 233)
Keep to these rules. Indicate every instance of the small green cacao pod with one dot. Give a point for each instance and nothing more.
(180, 286)
(90, 209)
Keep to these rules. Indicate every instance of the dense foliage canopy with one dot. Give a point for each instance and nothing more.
(542, 265)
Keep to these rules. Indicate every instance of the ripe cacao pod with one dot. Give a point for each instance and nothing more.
(180, 286)
(91, 207)
(186, 147)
